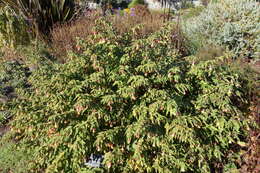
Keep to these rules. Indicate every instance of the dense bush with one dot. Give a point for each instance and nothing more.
(234, 24)
(138, 102)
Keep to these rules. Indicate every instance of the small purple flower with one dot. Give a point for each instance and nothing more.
(118, 11)
(132, 12)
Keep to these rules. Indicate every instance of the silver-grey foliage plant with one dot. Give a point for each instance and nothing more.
(232, 24)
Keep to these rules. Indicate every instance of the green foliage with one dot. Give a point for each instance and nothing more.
(4, 117)
(233, 24)
(210, 52)
(191, 12)
(43, 14)
(136, 2)
(13, 29)
(185, 4)
(13, 159)
(136, 101)
(37, 55)
(13, 75)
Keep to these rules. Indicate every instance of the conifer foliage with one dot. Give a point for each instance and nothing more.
(138, 102)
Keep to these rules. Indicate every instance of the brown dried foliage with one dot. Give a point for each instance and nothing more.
(251, 159)
(10, 54)
(64, 36)
(151, 22)
(141, 10)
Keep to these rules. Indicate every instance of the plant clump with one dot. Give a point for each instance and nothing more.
(233, 24)
(138, 102)
(43, 14)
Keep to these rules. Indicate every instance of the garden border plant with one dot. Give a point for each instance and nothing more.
(138, 99)
(232, 24)
(138, 102)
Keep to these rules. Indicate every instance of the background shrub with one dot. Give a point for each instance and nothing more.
(184, 4)
(140, 11)
(43, 14)
(140, 17)
(191, 12)
(13, 29)
(138, 102)
(233, 24)
(136, 2)
(64, 37)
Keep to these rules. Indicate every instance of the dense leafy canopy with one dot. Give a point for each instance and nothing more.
(138, 102)
(132, 96)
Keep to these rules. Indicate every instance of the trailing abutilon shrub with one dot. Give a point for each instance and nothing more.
(137, 102)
